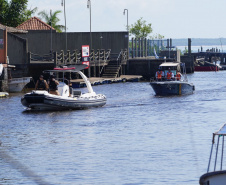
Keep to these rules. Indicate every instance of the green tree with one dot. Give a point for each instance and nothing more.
(29, 13)
(140, 29)
(14, 12)
(52, 18)
(3, 8)
(157, 36)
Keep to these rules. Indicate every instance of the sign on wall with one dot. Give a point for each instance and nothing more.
(85, 55)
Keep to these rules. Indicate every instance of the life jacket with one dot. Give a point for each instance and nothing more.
(52, 86)
(169, 75)
(178, 76)
(159, 74)
(41, 85)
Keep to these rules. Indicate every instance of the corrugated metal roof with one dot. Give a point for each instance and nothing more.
(34, 23)
(11, 29)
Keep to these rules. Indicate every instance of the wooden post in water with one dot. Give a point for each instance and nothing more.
(189, 46)
(142, 47)
(139, 49)
(135, 47)
(132, 49)
(148, 47)
(145, 47)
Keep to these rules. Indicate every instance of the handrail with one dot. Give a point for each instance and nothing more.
(105, 59)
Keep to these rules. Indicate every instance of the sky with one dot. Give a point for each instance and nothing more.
(170, 18)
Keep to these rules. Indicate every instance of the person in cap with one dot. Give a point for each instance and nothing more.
(169, 75)
(53, 83)
(41, 84)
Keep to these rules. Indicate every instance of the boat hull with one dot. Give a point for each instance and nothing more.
(168, 88)
(53, 102)
(213, 178)
(206, 68)
(17, 84)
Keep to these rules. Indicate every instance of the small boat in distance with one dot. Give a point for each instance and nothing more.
(218, 175)
(3, 94)
(43, 100)
(175, 84)
(16, 84)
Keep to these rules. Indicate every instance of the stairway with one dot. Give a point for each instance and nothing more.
(112, 69)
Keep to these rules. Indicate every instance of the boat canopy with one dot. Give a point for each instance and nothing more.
(71, 68)
(169, 64)
(221, 131)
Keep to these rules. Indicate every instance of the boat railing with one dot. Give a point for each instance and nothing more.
(218, 154)
(163, 79)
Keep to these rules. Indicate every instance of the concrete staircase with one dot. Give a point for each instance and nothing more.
(112, 69)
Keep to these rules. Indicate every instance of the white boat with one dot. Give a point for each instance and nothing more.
(42, 100)
(3, 94)
(217, 176)
(17, 84)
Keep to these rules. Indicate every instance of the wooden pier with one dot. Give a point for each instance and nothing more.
(78, 83)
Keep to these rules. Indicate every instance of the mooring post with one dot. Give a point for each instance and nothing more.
(55, 58)
(145, 47)
(148, 43)
(189, 46)
(139, 50)
(135, 47)
(142, 47)
(132, 54)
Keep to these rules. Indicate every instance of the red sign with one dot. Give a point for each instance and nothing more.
(87, 63)
(85, 55)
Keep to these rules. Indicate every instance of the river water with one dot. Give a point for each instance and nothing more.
(137, 138)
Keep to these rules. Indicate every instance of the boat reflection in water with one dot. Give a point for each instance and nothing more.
(42, 100)
(165, 87)
(216, 177)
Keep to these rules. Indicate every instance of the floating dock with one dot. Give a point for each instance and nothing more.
(78, 83)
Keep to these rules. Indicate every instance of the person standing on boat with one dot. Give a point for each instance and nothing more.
(53, 83)
(178, 76)
(67, 82)
(159, 75)
(169, 75)
(41, 84)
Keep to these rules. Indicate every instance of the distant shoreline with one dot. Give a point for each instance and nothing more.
(200, 42)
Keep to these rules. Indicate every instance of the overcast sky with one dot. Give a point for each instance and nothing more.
(170, 18)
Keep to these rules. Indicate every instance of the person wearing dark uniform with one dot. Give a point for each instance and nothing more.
(41, 84)
(53, 83)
